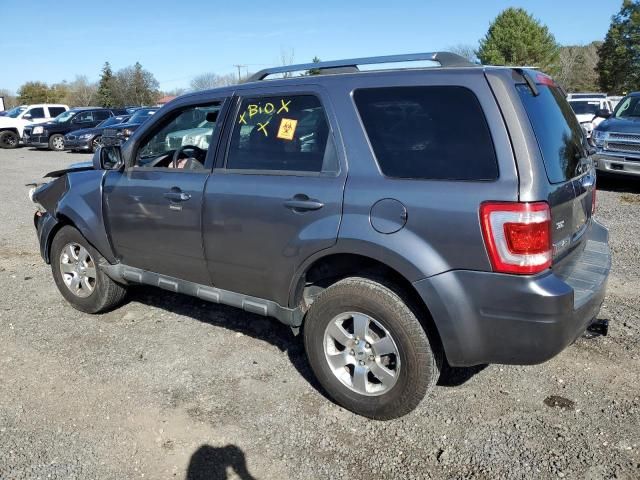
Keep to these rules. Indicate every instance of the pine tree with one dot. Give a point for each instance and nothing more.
(619, 64)
(516, 38)
(105, 87)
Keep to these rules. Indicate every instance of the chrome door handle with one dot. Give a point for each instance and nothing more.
(300, 204)
(177, 196)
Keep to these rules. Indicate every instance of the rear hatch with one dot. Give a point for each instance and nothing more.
(565, 153)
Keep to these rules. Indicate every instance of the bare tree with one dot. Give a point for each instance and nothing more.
(287, 56)
(81, 92)
(577, 67)
(208, 80)
(464, 50)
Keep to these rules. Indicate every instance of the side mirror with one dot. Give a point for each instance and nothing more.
(108, 158)
(26, 116)
(603, 113)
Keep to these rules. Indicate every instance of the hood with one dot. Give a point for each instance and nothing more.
(621, 125)
(74, 167)
(11, 122)
(83, 131)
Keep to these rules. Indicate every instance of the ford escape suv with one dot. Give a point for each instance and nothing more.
(398, 218)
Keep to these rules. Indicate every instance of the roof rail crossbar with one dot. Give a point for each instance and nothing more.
(445, 59)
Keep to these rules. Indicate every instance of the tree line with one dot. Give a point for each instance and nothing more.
(514, 37)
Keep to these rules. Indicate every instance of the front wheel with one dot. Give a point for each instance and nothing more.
(74, 264)
(9, 139)
(368, 349)
(56, 142)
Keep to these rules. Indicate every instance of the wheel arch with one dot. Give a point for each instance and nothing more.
(325, 270)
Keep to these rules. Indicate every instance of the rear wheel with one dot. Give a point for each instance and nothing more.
(74, 264)
(9, 139)
(56, 142)
(368, 349)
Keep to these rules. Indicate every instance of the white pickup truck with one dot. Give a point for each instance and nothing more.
(585, 109)
(12, 124)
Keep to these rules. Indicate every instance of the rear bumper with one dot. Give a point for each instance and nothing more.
(485, 317)
(618, 163)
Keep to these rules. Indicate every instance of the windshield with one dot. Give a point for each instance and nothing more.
(584, 107)
(64, 117)
(628, 107)
(112, 121)
(141, 115)
(14, 112)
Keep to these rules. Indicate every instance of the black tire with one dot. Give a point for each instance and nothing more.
(420, 360)
(106, 293)
(95, 143)
(56, 142)
(9, 139)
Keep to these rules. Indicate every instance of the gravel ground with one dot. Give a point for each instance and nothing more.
(171, 387)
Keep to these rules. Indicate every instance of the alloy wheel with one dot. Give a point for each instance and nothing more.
(78, 270)
(361, 353)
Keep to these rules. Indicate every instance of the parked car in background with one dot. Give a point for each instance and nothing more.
(396, 217)
(583, 95)
(12, 125)
(51, 134)
(614, 100)
(118, 134)
(585, 109)
(89, 139)
(617, 138)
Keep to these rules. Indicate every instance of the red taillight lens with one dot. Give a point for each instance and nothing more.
(542, 79)
(517, 236)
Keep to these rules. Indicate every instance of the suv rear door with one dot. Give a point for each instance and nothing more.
(277, 197)
(568, 167)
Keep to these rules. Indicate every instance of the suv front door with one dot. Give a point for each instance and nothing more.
(153, 207)
(276, 197)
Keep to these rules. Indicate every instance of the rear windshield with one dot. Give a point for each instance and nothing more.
(437, 132)
(584, 107)
(557, 130)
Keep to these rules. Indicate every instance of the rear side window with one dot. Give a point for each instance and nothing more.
(288, 134)
(55, 111)
(437, 133)
(557, 130)
(101, 114)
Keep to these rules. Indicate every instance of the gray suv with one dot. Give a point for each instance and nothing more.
(398, 218)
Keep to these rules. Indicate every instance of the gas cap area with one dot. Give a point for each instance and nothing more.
(388, 215)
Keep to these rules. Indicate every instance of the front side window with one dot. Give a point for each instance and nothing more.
(281, 133)
(36, 113)
(182, 140)
(64, 117)
(14, 112)
(628, 107)
(428, 132)
(84, 117)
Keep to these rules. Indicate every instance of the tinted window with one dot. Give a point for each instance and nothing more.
(583, 107)
(55, 111)
(83, 117)
(628, 107)
(101, 115)
(557, 130)
(288, 133)
(435, 133)
(36, 113)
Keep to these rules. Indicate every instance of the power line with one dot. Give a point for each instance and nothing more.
(239, 73)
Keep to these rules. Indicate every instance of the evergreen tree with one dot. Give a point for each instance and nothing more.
(619, 64)
(516, 38)
(105, 87)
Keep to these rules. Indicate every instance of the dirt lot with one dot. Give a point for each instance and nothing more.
(171, 387)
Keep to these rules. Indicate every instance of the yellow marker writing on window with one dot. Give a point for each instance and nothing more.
(287, 129)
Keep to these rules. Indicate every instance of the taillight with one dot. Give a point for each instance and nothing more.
(517, 236)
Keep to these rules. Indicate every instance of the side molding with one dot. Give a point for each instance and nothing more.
(267, 308)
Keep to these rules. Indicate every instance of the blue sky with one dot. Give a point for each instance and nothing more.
(176, 40)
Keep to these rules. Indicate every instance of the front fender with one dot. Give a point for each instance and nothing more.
(75, 199)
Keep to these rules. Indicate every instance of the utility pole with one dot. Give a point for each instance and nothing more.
(239, 73)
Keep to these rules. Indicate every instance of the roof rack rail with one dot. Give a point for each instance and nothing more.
(445, 59)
